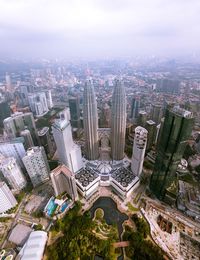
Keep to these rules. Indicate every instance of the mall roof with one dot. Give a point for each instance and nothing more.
(34, 246)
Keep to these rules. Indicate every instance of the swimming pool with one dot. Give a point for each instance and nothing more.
(51, 207)
(64, 206)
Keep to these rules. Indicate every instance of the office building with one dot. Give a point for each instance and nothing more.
(12, 173)
(46, 141)
(14, 148)
(176, 131)
(135, 107)
(7, 200)
(49, 98)
(69, 153)
(156, 113)
(118, 121)
(5, 111)
(36, 165)
(90, 122)
(151, 128)
(139, 147)
(142, 118)
(38, 103)
(28, 141)
(63, 180)
(74, 106)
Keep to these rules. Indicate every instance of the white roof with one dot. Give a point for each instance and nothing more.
(34, 246)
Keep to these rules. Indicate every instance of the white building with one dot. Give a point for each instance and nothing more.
(34, 246)
(69, 153)
(49, 98)
(63, 180)
(38, 103)
(139, 146)
(7, 200)
(36, 165)
(12, 173)
(14, 149)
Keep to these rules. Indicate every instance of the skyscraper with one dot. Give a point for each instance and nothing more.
(37, 165)
(139, 146)
(69, 153)
(151, 128)
(74, 105)
(14, 148)
(177, 129)
(142, 118)
(135, 108)
(156, 113)
(90, 122)
(118, 121)
(45, 141)
(27, 138)
(12, 173)
(7, 200)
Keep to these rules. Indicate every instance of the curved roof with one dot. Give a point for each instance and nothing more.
(34, 246)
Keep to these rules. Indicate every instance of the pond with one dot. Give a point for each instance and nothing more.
(111, 213)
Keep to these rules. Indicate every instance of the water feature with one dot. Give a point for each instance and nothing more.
(111, 214)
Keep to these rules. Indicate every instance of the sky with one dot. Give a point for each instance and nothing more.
(99, 28)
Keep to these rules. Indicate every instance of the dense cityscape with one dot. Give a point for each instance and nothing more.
(76, 138)
(99, 130)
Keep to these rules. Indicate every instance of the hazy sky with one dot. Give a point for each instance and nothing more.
(99, 28)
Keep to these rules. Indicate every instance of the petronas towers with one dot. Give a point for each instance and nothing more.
(90, 122)
(118, 122)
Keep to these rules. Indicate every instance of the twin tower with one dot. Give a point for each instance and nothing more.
(118, 122)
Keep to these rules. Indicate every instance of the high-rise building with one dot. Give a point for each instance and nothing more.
(74, 105)
(27, 138)
(118, 121)
(63, 180)
(14, 148)
(8, 83)
(38, 103)
(176, 131)
(151, 128)
(5, 111)
(156, 113)
(135, 107)
(139, 147)
(45, 141)
(36, 165)
(7, 200)
(18, 122)
(49, 98)
(90, 122)
(142, 118)
(12, 173)
(69, 153)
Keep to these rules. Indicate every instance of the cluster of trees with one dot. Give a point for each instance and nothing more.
(142, 226)
(140, 248)
(78, 240)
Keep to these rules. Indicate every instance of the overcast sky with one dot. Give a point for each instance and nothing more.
(99, 28)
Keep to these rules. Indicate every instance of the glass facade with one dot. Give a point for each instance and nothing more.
(176, 131)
